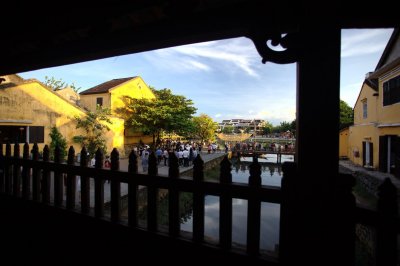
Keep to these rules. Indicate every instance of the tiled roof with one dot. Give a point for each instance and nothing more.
(106, 86)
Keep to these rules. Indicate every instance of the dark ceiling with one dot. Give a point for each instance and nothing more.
(36, 35)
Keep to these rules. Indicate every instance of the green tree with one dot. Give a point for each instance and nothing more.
(293, 127)
(95, 124)
(227, 129)
(167, 113)
(57, 139)
(58, 84)
(346, 115)
(285, 126)
(204, 127)
(266, 128)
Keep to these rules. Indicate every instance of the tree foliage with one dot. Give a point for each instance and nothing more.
(58, 84)
(95, 124)
(167, 112)
(204, 127)
(228, 129)
(267, 128)
(57, 139)
(346, 115)
(283, 127)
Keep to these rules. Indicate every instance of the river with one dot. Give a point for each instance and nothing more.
(270, 213)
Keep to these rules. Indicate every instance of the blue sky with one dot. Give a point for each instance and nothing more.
(226, 79)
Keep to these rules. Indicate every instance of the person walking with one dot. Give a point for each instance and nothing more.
(145, 161)
(166, 156)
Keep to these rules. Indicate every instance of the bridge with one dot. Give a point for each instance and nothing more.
(264, 153)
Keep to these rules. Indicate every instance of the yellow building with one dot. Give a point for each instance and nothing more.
(28, 109)
(110, 94)
(343, 143)
(374, 140)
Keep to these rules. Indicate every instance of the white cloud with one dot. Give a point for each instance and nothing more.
(226, 55)
(218, 115)
(198, 65)
(362, 42)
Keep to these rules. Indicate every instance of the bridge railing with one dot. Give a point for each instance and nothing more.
(54, 183)
(45, 181)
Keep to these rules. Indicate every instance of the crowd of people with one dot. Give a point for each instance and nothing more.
(185, 152)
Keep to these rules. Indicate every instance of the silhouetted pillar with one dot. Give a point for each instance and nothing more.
(318, 80)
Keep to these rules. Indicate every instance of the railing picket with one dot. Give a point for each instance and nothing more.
(132, 190)
(115, 188)
(58, 179)
(198, 200)
(8, 170)
(17, 172)
(99, 186)
(225, 208)
(85, 184)
(254, 209)
(173, 199)
(386, 233)
(45, 185)
(26, 179)
(173, 169)
(71, 180)
(2, 161)
(153, 166)
(152, 195)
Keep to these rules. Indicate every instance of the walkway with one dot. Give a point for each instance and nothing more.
(349, 167)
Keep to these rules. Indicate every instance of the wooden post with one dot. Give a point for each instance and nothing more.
(71, 180)
(173, 200)
(98, 187)
(8, 170)
(115, 188)
(36, 171)
(254, 209)
(225, 205)
(287, 229)
(153, 166)
(387, 229)
(2, 164)
(152, 195)
(58, 179)
(173, 169)
(198, 200)
(132, 190)
(343, 235)
(16, 172)
(26, 178)
(318, 62)
(85, 184)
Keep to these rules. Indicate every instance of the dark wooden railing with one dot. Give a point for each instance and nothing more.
(30, 178)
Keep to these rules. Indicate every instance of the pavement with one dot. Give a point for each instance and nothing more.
(349, 167)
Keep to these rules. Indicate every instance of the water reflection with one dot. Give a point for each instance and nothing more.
(270, 213)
